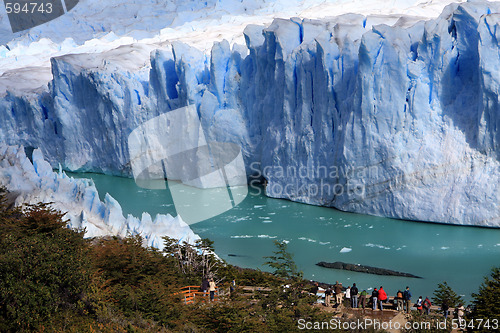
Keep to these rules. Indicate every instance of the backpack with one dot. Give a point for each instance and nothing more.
(405, 295)
(400, 295)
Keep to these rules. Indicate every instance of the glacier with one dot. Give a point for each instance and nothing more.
(35, 182)
(387, 115)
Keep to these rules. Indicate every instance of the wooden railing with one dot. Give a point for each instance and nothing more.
(192, 294)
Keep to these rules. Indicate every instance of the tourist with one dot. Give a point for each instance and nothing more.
(374, 299)
(407, 299)
(348, 296)
(232, 286)
(460, 315)
(399, 299)
(419, 305)
(211, 288)
(445, 307)
(204, 286)
(427, 305)
(382, 298)
(315, 289)
(338, 293)
(328, 295)
(362, 298)
(354, 296)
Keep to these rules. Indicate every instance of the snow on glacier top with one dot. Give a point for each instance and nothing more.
(97, 27)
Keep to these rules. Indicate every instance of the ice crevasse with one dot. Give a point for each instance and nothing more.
(397, 120)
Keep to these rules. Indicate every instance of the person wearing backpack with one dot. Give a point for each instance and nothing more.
(399, 299)
(338, 293)
(328, 296)
(420, 304)
(374, 299)
(362, 298)
(427, 305)
(354, 296)
(407, 299)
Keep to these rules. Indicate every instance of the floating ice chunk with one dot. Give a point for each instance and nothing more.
(345, 250)
(377, 245)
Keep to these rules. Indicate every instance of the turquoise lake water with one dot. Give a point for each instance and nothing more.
(459, 255)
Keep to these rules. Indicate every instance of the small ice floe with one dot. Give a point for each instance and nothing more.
(308, 239)
(497, 245)
(480, 245)
(258, 206)
(378, 245)
(324, 243)
(370, 227)
(347, 225)
(286, 241)
(444, 247)
(266, 236)
(242, 236)
(345, 250)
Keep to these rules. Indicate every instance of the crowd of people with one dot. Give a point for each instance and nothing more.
(361, 299)
(354, 298)
(378, 299)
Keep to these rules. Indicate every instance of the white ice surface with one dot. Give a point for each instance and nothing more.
(95, 26)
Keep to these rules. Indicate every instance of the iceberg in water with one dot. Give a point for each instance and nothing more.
(78, 198)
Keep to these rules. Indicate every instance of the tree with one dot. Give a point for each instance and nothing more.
(282, 262)
(487, 302)
(194, 261)
(445, 293)
(44, 268)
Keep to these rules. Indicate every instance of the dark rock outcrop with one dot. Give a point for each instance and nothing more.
(365, 269)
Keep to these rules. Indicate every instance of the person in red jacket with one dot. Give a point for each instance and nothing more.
(382, 297)
(427, 305)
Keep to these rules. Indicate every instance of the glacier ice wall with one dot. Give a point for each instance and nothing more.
(34, 182)
(399, 121)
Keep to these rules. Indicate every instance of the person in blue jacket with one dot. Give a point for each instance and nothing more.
(407, 299)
